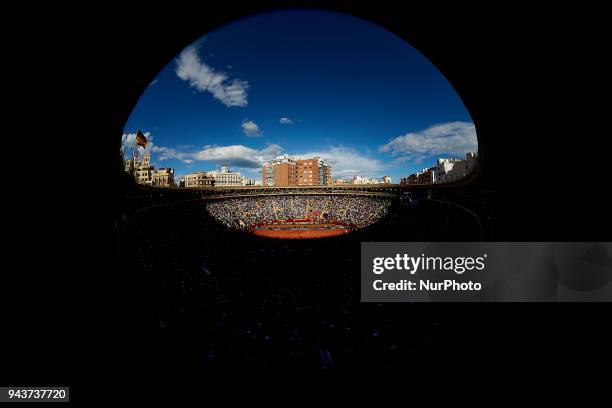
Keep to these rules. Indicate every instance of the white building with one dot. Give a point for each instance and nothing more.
(146, 174)
(364, 180)
(449, 170)
(163, 177)
(137, 162)
(367, 180)
(225, 177)
(198, 180)
(250, 182)
(141, 168)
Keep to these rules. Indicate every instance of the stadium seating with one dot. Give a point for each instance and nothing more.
(247, 212)
(247, 301)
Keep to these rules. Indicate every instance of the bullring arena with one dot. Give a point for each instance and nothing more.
(298, 216)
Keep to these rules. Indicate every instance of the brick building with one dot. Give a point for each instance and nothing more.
(287, 171)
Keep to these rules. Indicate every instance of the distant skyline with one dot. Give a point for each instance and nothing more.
(305, 83)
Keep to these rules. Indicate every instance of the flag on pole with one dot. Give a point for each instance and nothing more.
(141, 140)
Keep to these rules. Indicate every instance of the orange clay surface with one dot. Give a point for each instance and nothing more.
(306, 232)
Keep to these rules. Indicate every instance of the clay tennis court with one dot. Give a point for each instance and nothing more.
(301, 231)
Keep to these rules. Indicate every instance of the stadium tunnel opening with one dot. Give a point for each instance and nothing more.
(246, 299)
(320, 218)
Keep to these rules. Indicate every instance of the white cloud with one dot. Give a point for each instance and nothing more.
(235, 155)
(448, 138)
(189, 67)
(165, 153)
(251, 129)
(238, 155)
(285, 121)
(348, 162)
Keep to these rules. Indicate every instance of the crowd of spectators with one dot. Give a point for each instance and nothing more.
(356, 211)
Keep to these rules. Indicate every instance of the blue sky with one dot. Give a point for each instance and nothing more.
(306, 83)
